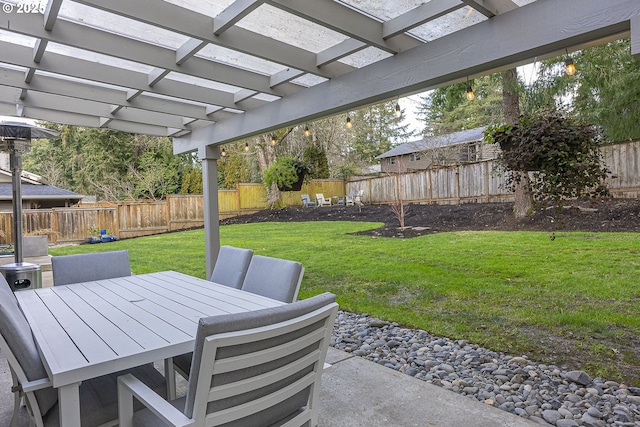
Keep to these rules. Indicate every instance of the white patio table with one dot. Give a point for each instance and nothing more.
(89, 329)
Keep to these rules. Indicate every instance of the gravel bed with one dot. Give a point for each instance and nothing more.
(542, 393)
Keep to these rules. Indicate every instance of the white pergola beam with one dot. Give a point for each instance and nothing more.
(63, 117)
(75, 89)
(106, 43)
(190, 48)
(242, 95)
(51, 13)
(347, 21)
(490, 8)
(39, 49)
(285, 76)
(156, 75)
(496, 44)
(420, 15)
(234, 13)
(87, 107)
(199, 26)
(92, 71)
(334, 53)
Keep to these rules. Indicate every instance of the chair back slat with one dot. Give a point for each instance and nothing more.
(259, 368)
(77, 268)
(255, 406)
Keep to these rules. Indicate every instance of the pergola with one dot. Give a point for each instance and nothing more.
(208, 73)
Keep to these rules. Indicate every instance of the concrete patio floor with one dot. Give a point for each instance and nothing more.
(355, 392)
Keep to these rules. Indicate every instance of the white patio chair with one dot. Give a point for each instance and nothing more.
(306, 201)
(231, 266)
(257, 368)
(349, 198)
(98, 397)
(322, 201)
(77, 268)
(274, 278)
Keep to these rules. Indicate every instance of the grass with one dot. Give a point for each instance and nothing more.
(572, 301)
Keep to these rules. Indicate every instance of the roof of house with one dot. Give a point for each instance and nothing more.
(37, 191)
(435, 142)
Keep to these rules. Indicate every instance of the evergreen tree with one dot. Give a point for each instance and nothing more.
(376, 130)
(446, 110)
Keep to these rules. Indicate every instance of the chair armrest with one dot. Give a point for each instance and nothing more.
(30, 386)
(130, 387)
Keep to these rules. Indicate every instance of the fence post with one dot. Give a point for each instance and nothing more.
(54, 226)
(238, 197)
(486, 180)
(168, 212)
(457, 184)
(430, 188)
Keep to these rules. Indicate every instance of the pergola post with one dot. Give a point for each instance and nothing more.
(209, 156)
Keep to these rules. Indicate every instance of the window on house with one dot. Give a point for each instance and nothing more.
(391, 160)
(468, 152)
(414, 157)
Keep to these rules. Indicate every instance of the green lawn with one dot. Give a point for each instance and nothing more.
(574, 300)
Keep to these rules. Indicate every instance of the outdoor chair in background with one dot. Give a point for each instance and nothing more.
(77, 268)
(349, 198)
(306, 201)
(98, 397)
(231, 266)
(249, 369)
(274, 278)
(322, 201)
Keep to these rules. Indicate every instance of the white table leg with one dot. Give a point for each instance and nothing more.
(69, 404)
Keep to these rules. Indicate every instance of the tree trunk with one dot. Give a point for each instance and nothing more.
(523, 204)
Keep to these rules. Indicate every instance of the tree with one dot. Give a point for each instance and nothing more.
(447, 110)
(523, 204)
(315, 158)
(375, 130)
(112, 165)
(561, 152)
(605, 90)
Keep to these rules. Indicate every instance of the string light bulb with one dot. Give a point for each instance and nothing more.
(307, 132)
(470, 95)
(246, 146)
(570, 66)
(223, 153)
(398, 111)
(274, 141)
(349, 125)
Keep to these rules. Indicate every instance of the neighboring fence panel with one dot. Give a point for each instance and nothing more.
(252, 196)
(141, 219)
(72, 224)
(623, 160)
(187, 211)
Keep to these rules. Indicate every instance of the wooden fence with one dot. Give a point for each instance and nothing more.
(469, 183)
(134, 219)
(478, 183)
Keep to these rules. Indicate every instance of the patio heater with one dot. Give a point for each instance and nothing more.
(16, 139)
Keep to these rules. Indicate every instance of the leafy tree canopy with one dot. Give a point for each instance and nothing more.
(561, 152)
(110, 164)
